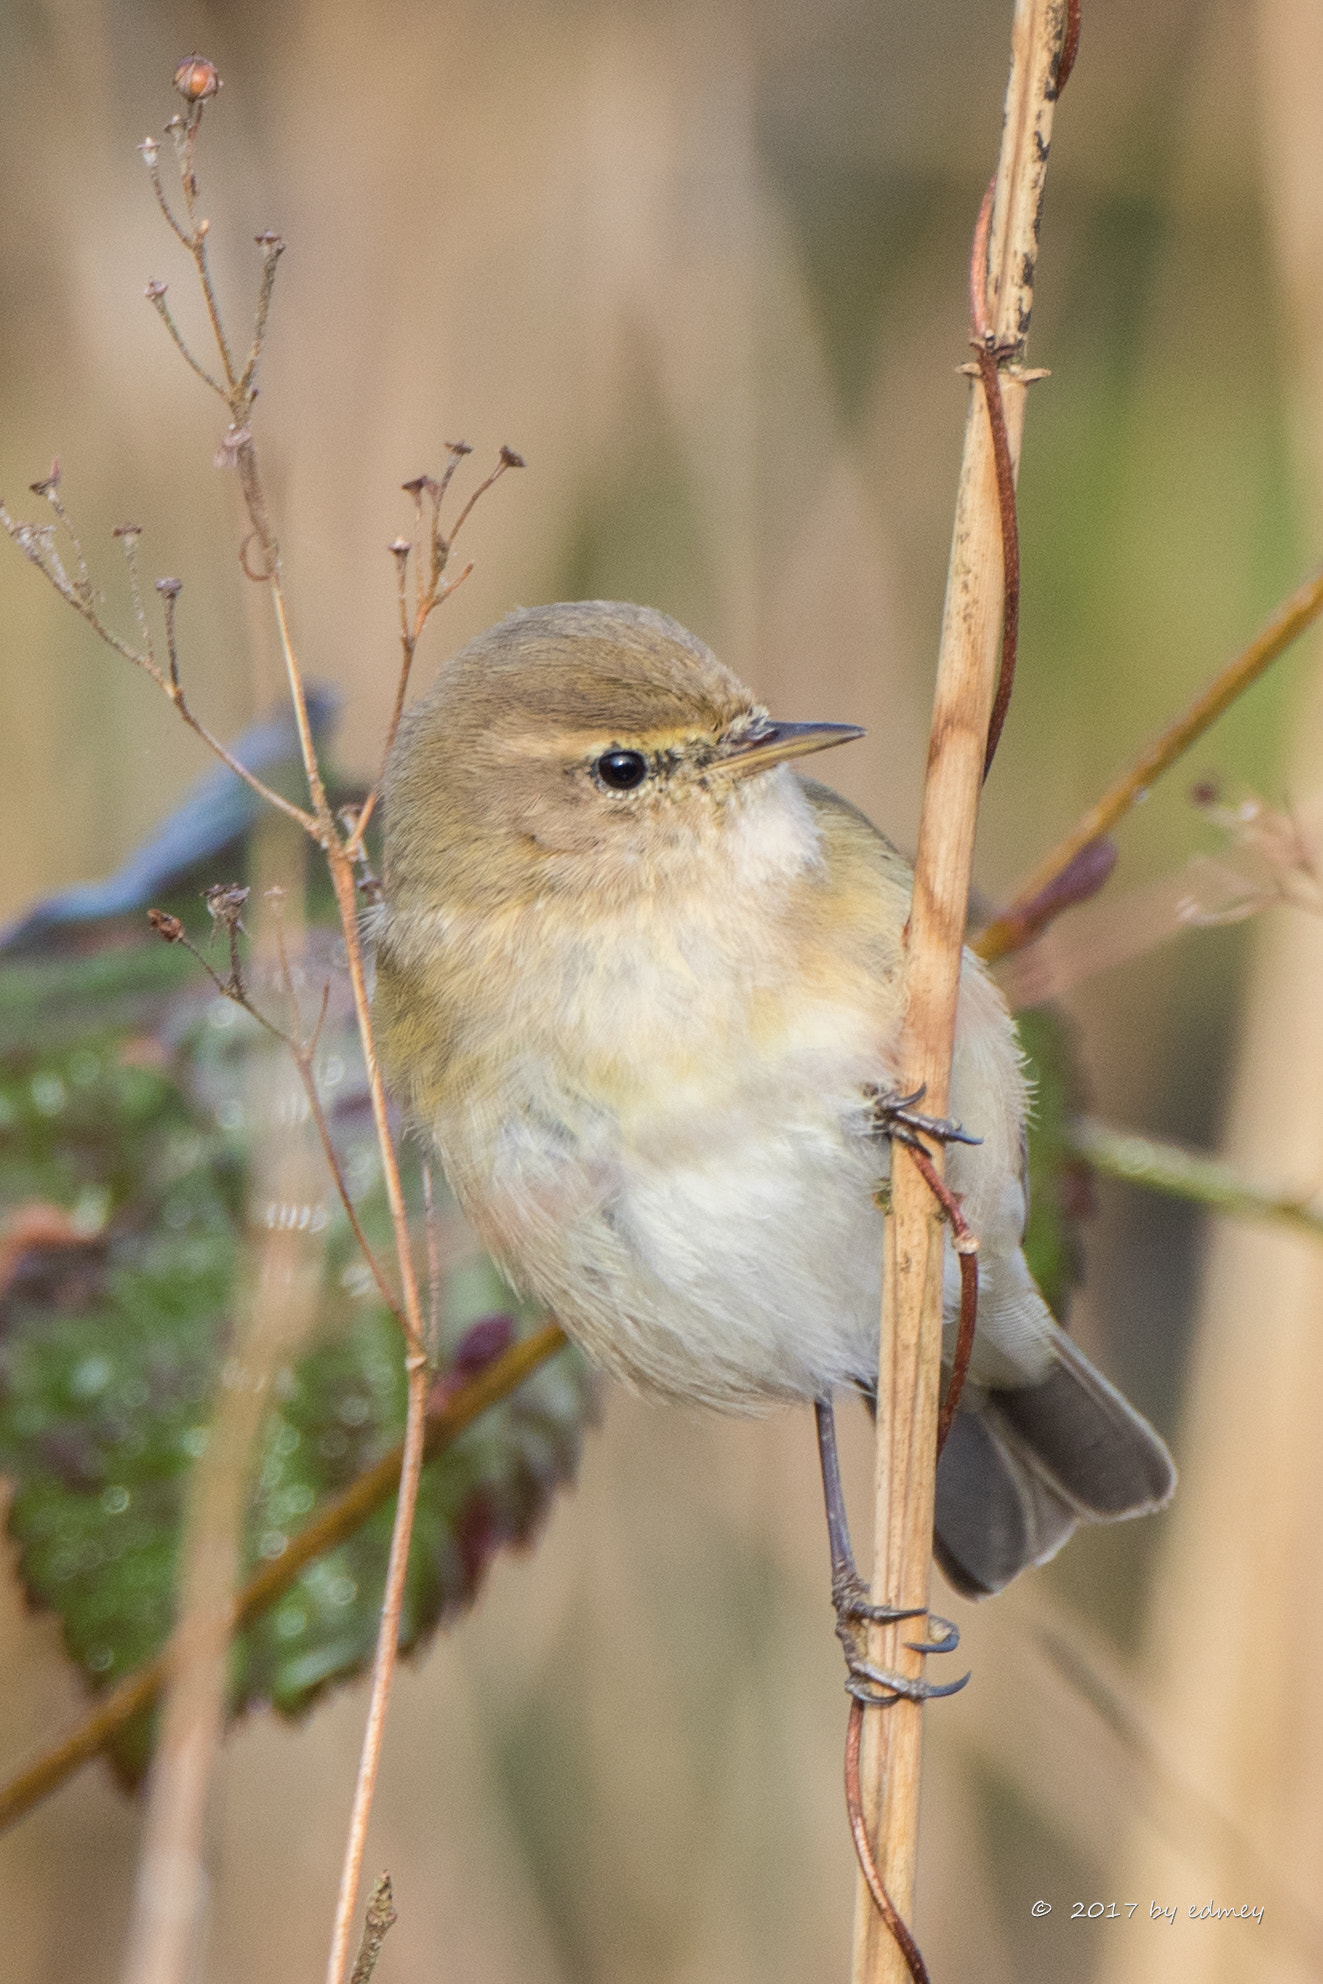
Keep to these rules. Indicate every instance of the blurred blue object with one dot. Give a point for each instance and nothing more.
(214, 815)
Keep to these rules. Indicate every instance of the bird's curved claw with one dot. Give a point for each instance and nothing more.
(866, 1684)
(947, 1642)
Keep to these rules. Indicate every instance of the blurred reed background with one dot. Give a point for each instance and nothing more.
(704, 265)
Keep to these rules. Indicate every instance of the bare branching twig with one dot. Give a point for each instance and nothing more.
(342, 844)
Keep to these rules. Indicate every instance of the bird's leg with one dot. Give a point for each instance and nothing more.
(894, 1115)
(855, 1610)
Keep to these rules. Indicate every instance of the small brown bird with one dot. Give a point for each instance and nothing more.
(638, 980)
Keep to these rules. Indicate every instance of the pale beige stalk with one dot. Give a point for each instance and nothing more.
(910, 1354)
(1238, 1594)
(170, 1895)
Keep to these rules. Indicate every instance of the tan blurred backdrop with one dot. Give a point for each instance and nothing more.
(703, 265)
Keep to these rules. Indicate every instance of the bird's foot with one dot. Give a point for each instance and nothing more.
(877, 1687)
(894, 1116)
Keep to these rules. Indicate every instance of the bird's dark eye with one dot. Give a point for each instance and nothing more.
(622, 770)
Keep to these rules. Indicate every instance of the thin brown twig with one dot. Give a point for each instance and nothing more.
(272, 248)
(1070, 47)
(198, 79)
(966, 1246)
(383, 1665)
(863, 1849)
(302, 1052)
(29, 541)
(339, 1519)
(1289, 620)
(988, 356)
(155, 294)
(380, 1919)
(433, 1266)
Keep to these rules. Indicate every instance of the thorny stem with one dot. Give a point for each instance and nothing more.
(1005, 932)
(339, 1519)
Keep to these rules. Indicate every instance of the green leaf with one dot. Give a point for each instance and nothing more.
(111, 1347)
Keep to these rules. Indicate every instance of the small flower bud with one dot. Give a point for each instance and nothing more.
(270, 244)
(170, 588)
(168, 927)
(399, 547)
(509, 459)
(148, 150)
(155, 291)
(197, 79)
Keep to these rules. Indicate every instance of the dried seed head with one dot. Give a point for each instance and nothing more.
(155, 291)
(270, 244)
(225, 904)
(50, 483)
(170, 588)
(399, 547)
(127, 530)
(196, 79)
(165, 926)
(509, 459)
(458, 448)
(148, 150)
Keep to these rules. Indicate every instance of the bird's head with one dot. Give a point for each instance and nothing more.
(593, 747)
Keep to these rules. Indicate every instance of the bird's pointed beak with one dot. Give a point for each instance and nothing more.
(775, 742)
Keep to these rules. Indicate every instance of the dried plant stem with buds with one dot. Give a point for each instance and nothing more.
(341, 841)
(910, 1351)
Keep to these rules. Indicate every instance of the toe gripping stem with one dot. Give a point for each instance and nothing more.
(874, 1687)
(895, 1117)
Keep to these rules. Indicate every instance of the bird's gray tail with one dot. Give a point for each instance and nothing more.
(1020, 1468)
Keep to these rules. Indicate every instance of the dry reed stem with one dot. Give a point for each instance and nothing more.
(910, 1350)
(1015, 925)
(340, 1518)
(281, 1301)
